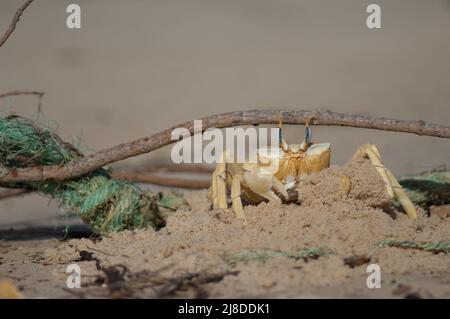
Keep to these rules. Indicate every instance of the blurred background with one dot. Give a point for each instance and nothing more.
(136, 67)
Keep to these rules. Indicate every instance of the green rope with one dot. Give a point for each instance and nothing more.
(442, 246)
(107, 204)
(264, 255)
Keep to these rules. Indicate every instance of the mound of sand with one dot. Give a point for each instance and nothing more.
(197, 253)
(357, 182)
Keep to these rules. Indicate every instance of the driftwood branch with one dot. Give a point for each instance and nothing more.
(175, 168)
(146, 175)
(140, 177)
(7, 193)
(82, 166)
(14, 22)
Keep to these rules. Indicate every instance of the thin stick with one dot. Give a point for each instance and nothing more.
(84, 165)
(140, 177)
(145, 176)
(183, 168)
(14, 22)
(16, 93)
(7, 193)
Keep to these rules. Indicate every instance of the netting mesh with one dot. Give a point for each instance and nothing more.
(100, 200)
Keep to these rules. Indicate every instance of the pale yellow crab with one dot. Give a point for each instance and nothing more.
(276, 173)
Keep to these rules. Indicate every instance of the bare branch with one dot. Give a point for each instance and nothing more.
(146, 176)
(84, 165)
(16, 93)
(14, 22)
(142, 177)
(7, 193)
(175, 168)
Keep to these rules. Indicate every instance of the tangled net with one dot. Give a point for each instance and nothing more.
(107, 204)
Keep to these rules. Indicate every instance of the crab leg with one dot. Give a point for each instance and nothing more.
(262, 185)
(213, 190)
(393, 187)
(221, 187)
(280, 188)
(218, 185)
(236, 198)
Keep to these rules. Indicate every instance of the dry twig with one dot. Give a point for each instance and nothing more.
(145, 176)
(176, 168)
(82, 166)
(16, 93)
(7, 193)
(142, 177)
(14, 22)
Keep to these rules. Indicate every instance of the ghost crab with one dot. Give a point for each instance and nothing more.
(277, 171)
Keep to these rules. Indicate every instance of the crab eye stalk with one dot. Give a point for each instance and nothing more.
(307, 142)
(308, 135)
(281, 143)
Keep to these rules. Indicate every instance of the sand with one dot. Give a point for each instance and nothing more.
(200, 252)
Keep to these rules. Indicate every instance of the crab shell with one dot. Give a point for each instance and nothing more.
(276, 169)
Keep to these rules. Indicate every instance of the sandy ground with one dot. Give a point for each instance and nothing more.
(204, 253)
(137, 67)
